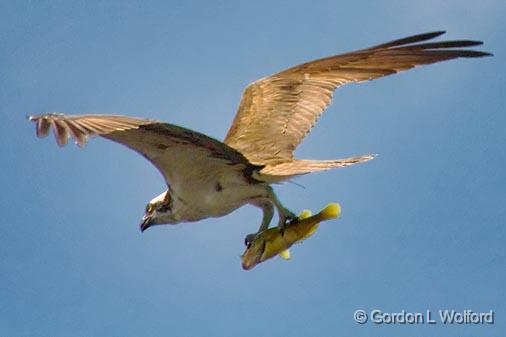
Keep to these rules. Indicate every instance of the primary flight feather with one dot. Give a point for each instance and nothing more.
(209, 178)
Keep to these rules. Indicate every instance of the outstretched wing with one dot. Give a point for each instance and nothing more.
(178, 153)
(277, 112)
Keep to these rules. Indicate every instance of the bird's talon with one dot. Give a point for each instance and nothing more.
(248, 240)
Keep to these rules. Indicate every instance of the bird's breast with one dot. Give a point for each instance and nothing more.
(204, 198)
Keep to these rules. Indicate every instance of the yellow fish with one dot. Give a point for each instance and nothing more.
(272, 241)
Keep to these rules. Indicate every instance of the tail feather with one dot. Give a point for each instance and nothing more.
(287, 170)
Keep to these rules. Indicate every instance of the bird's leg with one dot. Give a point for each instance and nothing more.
(285, 215)
(267, 205)
(268, 213)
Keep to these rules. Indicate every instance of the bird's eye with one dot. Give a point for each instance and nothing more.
(149, 208)
(163, 208)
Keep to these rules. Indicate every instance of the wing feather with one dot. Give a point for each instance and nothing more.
(178, 153)
(277, 112)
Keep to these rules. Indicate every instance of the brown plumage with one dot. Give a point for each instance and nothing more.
(168, 147)
(274, 116)
(277, 112)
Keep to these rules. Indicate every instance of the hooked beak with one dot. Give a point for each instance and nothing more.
(146, 222)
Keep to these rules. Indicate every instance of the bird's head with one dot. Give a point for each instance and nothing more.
(158, 212)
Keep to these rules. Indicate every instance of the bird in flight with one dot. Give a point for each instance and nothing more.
(210, 178)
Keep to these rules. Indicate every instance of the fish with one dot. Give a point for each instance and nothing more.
(273, 241)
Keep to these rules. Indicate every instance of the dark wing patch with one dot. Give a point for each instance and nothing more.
(180, 154)
(183, 136)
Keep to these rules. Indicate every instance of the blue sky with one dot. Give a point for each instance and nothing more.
(422, 226)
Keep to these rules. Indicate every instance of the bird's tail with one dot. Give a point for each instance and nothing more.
(283, 171)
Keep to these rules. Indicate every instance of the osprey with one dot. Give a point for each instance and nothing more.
(209, 178)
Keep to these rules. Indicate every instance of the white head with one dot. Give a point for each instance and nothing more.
(158, 212)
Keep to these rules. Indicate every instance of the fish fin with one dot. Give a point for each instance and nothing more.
(311, 231)
(285, 255)
(305, 214)
(332, 211)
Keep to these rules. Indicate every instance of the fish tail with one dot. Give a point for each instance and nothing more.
(332, 211)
